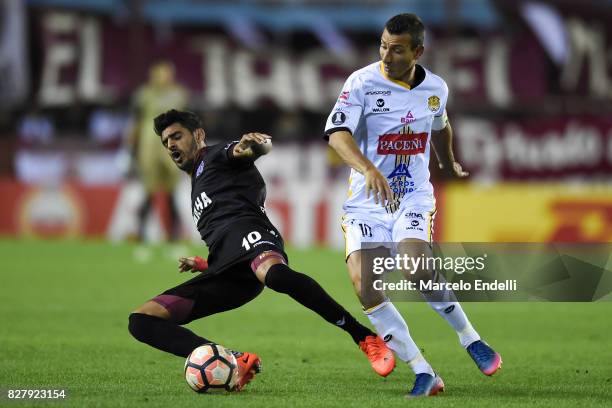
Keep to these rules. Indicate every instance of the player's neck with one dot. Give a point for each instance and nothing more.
(409, 77)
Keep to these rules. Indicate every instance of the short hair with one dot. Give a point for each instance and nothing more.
(188, 119)
(407, 23)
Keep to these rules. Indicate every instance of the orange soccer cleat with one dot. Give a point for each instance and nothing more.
(380, 355)
(249, 364)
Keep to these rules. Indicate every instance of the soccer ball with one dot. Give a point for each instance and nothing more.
(210, 368)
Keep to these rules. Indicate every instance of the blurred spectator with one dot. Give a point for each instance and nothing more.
(155, 169)
(107, 127)
(36, 128)
(289, 127)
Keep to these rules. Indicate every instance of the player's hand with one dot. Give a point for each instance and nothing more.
(457, 170)
(192, 264)
(249, 140)
(378, 185)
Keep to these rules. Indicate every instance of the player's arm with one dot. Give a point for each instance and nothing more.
(193, 264)
(252, 146)
(343, 143)
(442, 143)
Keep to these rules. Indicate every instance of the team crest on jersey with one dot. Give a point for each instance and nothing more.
(200, 169)
(434, 103)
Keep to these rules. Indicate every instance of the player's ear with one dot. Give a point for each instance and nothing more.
(199, 135)
(418, 51)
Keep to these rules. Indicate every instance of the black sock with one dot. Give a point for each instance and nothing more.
(164, 335)
(309, 293)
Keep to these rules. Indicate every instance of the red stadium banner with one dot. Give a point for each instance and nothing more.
(542, 149)
(80, 62)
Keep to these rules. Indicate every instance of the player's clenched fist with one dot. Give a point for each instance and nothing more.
(378, 185)
(253, 144)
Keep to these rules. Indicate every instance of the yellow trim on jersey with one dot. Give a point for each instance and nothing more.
(430, 225)
(345, 241)
(384, 74)
(349, 193)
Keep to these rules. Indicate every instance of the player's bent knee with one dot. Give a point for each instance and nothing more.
(137, 326)
(152, 308)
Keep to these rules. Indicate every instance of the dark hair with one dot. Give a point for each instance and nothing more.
(188, 119)
(407, 23)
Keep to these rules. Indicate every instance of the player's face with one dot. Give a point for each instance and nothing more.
(182, 145)
(397, 55)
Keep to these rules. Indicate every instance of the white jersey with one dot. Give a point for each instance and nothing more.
(391, 124)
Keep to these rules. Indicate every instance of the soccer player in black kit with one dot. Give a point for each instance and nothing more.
(246, 251)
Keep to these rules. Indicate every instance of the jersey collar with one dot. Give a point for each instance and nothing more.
(402, 83)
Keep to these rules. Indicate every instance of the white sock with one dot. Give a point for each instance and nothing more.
(453, 313)
(393, 329)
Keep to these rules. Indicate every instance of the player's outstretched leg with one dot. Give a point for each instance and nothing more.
(158, 322)
(271, 269)
(149, 324)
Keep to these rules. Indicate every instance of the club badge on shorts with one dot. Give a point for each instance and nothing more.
(434, 103)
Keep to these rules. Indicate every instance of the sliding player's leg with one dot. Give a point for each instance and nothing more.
(158, 321)
(271, 268)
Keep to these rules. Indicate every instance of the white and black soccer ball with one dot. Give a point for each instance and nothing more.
(211, 368)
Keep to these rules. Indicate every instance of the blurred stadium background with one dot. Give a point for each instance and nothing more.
(531, 99)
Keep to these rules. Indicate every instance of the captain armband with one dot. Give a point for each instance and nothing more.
(440, 122)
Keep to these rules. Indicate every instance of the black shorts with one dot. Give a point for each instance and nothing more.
(244, 241)
(229, 282)
(205, 295)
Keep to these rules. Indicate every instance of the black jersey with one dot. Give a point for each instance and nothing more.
(223, 190)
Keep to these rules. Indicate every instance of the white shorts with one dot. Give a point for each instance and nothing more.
(412, 220)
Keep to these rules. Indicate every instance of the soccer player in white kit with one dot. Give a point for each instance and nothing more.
(381, 126)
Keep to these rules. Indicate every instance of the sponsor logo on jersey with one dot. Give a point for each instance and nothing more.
(338, 118)
(344, 95)
(408, 118)
(400, 171)
(415, 215)
(199, 204)
(345, 103)
(200, 169)
(434, 103)
(414, 223)
(383, 92)
(380, 103)
(400, 143)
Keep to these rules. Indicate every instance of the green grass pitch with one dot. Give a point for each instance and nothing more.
(64, 310)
